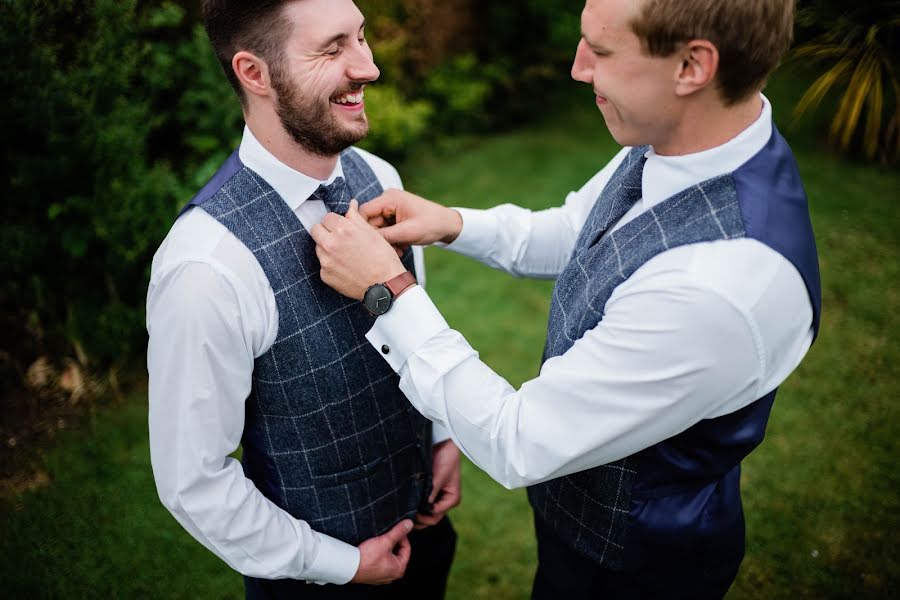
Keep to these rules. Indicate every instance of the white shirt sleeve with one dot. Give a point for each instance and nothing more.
(200, 361)
(649, 370)
(525, 243)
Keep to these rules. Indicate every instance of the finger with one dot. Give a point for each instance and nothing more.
(382, 206)
(399, 531)
(377, 221)
(437, 487)
(318, 233)
(331, 221)
(423, 521)
(401, 234)
(446, 501)
(404, 550)
(353, 213)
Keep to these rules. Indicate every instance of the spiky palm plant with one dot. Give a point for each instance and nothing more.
(859, 46)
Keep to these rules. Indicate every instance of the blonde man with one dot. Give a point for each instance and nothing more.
(687, 290)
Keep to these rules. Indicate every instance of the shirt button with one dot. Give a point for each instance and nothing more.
(385, 349)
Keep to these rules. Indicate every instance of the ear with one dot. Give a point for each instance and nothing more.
(252, 72)
(698, 68)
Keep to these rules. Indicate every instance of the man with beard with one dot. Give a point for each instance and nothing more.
(248, 346)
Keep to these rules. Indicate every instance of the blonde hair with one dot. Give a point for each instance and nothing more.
(750, 35)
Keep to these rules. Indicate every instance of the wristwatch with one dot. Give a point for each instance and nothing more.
(379, 298)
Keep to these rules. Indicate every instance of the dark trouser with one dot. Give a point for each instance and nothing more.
(425, 579)
(564, 573)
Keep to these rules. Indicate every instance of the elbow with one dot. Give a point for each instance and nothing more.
(513, 485)
(170, 495)
(173, 491)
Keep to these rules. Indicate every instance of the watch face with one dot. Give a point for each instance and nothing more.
(377, 299)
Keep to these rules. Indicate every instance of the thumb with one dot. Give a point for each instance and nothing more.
(401, 234)
(403, 554)
(353, 213)
(399, 532)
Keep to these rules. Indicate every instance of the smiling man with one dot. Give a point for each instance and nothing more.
(248, 346)
(687, 290)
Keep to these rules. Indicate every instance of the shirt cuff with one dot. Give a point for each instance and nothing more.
(478, 234)
(411, 321)
(336, 562)
(439, 434)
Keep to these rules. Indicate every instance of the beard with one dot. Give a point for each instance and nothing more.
(310, 122)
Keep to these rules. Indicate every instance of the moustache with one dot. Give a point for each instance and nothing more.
(350, 89)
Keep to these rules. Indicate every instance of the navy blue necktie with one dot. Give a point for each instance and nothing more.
(336, 196)
(619, 196)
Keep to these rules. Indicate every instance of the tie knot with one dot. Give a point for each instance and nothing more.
(336, 196)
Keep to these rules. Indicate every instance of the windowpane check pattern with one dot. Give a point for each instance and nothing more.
(589, 509)
(328, 435)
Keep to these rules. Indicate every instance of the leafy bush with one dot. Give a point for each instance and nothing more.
(98, 164)
(395, 123)
(117, 111)
(859, 48)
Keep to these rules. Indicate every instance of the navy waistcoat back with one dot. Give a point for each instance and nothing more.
(328, 435)
(680, 497)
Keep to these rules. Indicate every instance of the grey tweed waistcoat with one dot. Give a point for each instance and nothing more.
(328, 435)
(627, 513)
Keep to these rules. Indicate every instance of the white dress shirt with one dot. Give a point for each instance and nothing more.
(210, 313)
(697, 332)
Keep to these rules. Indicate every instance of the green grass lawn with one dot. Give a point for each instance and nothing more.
(821, 493)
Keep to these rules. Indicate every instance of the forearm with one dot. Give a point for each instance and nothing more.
(518, 241)
(602, 400)
(231, 518)
(200, 367)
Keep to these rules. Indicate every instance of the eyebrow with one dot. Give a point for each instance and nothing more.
(339, 37)
(595, 46)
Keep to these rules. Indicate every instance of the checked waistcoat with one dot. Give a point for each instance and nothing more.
(328, 435)
(681, 496)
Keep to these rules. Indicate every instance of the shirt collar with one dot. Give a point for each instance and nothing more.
(293, 186)
(665, 176)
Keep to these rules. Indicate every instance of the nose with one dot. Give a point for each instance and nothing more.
(362, 65)
(582, 66)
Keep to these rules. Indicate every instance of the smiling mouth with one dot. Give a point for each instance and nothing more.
(351, 99)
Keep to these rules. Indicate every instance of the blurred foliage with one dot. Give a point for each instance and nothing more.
(117, 111)
(113, 109)
(859, 48)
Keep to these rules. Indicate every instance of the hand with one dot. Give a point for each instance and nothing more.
(407, 219)
(383, 559)
(447, 491)
(352, 254)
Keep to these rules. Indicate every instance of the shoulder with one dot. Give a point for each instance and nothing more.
(760, 288)
(385, 172)
(199, 240)
(205, 270)
(193, 238)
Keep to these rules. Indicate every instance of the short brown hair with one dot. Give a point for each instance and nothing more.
(257, 26)
(750, 35)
